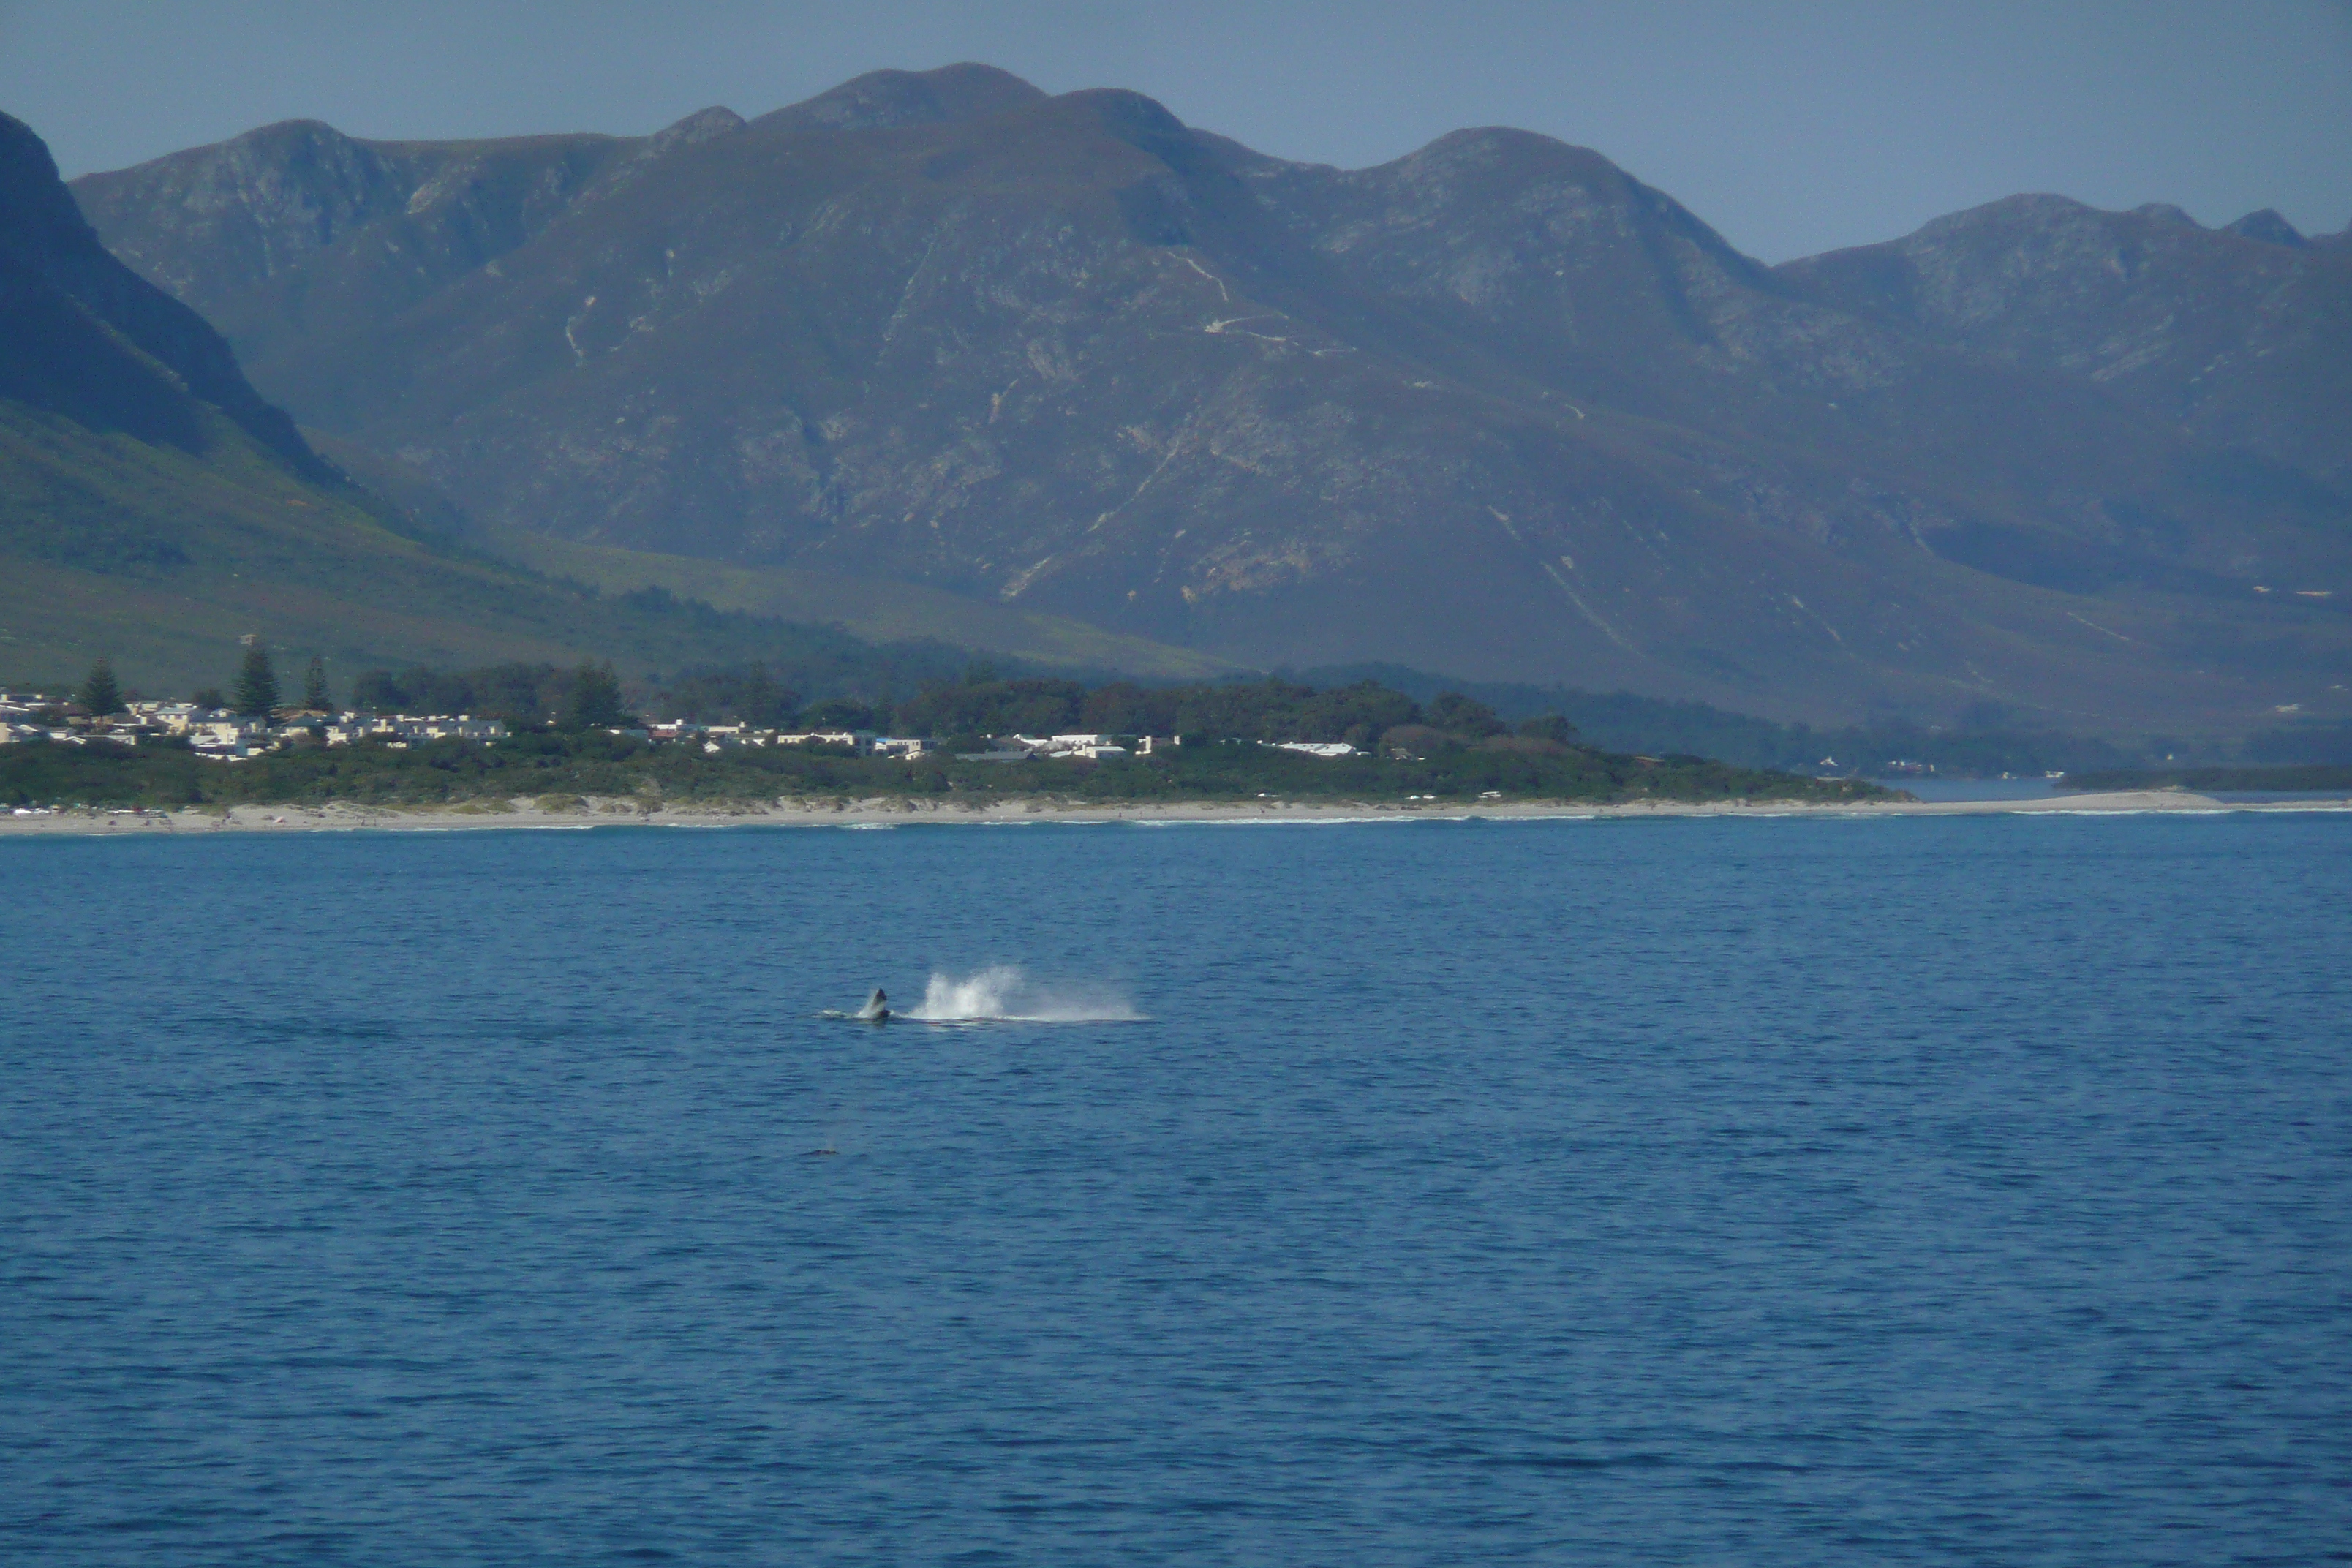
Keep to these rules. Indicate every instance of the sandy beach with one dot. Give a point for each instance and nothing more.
(891, 811)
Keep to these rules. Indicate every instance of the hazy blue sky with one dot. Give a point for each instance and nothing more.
(1791, 127)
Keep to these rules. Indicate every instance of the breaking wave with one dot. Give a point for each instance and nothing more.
(1004, 993)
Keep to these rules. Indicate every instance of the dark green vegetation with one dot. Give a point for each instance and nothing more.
(591, 693)
(1495, 409)
(2309, 776)
(983, 701)
(549, 762)
(1269, 709)
(256, 692)
(100, 694)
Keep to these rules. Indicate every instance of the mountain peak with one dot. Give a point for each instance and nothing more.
(1500, 141)
(2270, 227)
(84, 336)
(881, 100)
(701, 126)
(41, 211)
(1489, 160)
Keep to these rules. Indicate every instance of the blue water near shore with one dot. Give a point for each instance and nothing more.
(1764, 1191)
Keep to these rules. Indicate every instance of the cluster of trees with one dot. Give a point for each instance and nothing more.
(1363, 714)
(579, 696)
(589, 696)
(985, 703)
(982, 701)
(256, 692)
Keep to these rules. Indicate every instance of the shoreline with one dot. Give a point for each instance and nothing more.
(893, 812)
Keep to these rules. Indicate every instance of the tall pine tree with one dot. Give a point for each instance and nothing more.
(314, 688)
(595, 701)
(257, 683)
(100, 694)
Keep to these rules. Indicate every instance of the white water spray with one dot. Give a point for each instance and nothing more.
(1004, 993)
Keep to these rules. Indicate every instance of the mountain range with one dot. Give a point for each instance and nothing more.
(1497, 408)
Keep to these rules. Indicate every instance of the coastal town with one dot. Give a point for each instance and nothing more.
(472, 740)
(222, 734)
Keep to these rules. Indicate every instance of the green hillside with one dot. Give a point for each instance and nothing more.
(162, 558)
(879, 611)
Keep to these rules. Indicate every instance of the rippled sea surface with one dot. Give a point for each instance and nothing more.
(1727, 1191)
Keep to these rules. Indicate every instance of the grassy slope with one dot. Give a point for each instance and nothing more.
(881, 612)
(877, 611)
(163, 558)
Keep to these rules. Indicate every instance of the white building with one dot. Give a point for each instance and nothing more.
(1095, 747)
(405, 727)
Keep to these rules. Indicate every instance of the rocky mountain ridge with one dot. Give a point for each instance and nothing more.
(1495, 407)
(2237, 335)
(91, 340)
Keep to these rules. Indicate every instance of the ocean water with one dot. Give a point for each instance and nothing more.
(1763, 1192)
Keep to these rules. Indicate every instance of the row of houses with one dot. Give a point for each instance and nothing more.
(232, 737)
(219, 734)
(1094, 748)
(719, 737)
(1013, 748)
